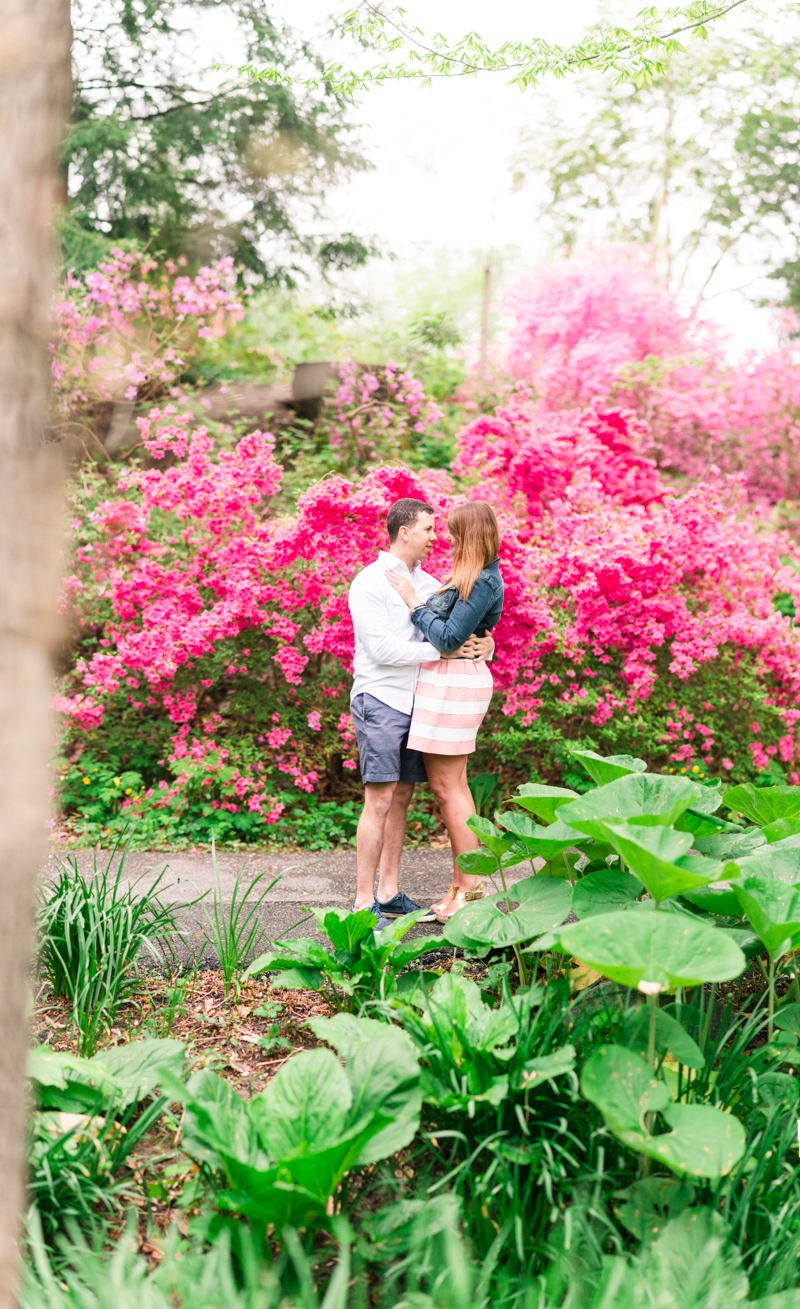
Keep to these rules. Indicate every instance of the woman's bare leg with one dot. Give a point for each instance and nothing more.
(447, 777)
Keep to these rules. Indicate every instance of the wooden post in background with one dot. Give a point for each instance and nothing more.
(34, 90)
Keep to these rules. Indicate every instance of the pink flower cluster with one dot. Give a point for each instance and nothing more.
(604, 330)
(126, 331)
(376, 410)
(527, 458)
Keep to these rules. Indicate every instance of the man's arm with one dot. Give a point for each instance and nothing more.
(372, 625)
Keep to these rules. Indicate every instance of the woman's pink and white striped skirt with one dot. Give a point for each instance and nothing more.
(450, 702)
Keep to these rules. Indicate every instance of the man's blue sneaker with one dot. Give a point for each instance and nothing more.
(374, 908)
(401, 904)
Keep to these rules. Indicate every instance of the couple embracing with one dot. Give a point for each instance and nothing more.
(421, 687)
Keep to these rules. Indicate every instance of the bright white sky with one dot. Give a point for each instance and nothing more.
(441, 177)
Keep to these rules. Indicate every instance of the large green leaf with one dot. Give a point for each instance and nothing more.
(545, 842)
(300, 952)
(670, 1036)
(139, 1066)
(781, 830)
(457, 1003)
(700, 824)
(344, 929)
(655, 948)
(704, 1142)
(622, 1086)
(659, 858)
(477, 863)
(383, 1071)
(788, 1019)
(699, 818)
(780, 860)
(544, 902)
(543, 800)
(217, 1126)
(716, 898)
(731, 845)
(694, 1263)
(709, 799)
(607, 768)
(305, 1106)
(603, 891)
(773, 910)
(661, 799)
(764, 804)
(505, 848)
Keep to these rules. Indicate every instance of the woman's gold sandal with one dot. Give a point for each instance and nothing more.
(459, 896)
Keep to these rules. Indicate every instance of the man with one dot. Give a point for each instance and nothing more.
(388, 652)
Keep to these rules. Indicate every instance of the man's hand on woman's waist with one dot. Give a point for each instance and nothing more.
(475, 647)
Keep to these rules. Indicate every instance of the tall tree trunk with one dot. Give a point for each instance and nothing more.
(34, 87)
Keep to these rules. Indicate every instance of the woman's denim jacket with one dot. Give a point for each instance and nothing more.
(446, 621)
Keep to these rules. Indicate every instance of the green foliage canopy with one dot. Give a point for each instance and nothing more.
(154, 155)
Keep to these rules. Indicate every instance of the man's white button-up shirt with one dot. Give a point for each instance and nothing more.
(389, 648)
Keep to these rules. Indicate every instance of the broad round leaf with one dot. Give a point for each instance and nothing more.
(781, 829)
(544, 903)
(731, 845)
(763, 804)
(780, 860)
(546, 842)
(603, 891)
(788, 1019)
(477, 863)
(543, 800)
(662, 798)
(659, 858)
(704, 1142)
(622, 1086)
(716, 898)
(773, 910)
(607, 768)
(634, 947)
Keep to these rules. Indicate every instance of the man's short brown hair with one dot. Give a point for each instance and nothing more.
(404, 513)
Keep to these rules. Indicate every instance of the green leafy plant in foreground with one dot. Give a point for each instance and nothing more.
(236, 928)
(92, 933)
(89, 1116)
(280, 1157)
(190, 1276)
(362, 966)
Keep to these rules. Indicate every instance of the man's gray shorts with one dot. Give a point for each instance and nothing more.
(381, 733)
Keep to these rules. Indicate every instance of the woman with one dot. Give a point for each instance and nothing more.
(452, 695)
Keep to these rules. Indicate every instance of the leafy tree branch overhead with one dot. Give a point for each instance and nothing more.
(700, 162)
(158, 152)
(631, 53)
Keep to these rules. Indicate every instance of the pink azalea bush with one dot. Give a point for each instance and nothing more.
(525, 458)
(603, 329)
(375, 414)
(126, 331)
(209, 688)
(216, 644)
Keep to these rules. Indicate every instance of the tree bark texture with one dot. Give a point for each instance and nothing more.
(34, 89)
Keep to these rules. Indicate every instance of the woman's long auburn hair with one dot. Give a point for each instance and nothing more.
(477, 542)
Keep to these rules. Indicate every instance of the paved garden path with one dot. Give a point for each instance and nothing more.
(304, 879)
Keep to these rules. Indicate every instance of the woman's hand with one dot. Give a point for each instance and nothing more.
(403, 588)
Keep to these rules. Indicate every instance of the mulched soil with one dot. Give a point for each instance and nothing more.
(220, 1034)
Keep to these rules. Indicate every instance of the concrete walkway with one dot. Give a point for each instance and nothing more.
(303, 879)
